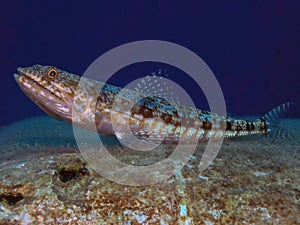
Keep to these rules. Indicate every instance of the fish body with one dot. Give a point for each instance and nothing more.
(89, 103)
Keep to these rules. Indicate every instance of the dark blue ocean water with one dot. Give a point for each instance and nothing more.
(251, 46)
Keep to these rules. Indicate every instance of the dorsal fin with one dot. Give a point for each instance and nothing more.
(157, 84)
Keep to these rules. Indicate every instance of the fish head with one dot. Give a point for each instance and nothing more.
(50, 88)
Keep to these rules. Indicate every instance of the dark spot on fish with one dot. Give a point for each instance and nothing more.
(167, 118)
(228, 125)
(248, 126)
(145, 112)
(150, 107)
(239, 127)
(264, 127)
(107, 95)
(206, 125)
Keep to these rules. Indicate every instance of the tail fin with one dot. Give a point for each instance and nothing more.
(273, 118)
(275, 115)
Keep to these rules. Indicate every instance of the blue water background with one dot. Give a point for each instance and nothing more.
(251, 46)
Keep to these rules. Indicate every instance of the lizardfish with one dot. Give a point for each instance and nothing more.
(100, 104)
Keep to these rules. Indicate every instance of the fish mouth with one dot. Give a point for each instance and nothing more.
(32, 87)
(48, 101)
(29, 81)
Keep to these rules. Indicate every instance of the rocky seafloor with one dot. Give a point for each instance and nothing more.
(45, 180)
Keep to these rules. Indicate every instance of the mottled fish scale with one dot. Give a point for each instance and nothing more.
(55, 91)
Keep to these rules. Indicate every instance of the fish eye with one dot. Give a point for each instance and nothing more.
(52, 73)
